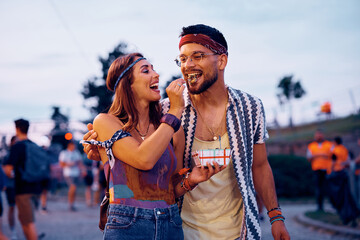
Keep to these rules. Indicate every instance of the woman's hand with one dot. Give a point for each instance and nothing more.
(175, 93)
(201, 173)
(91, 151)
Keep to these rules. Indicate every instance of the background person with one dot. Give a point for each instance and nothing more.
(340, 155)
(70, 160)
(24, 191)
(319, 155)
(87, 174)
(2, 184)
(339, 190)
(10, 198)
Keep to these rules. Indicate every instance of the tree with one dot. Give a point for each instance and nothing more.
(164, 95)
(95, 88)
(61, 121)
(57, 134)
(289, 90)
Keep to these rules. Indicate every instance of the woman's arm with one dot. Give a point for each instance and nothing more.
(179, 147)
(142, 155)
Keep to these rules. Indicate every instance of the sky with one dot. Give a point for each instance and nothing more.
(50, 48)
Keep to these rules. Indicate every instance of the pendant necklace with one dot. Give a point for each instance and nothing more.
(143, 135)
(215, 137)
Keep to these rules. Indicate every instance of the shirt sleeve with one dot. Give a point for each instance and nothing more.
(14, 155)
(62, 156)
(308, 154)
(78, 157)
(261, 133)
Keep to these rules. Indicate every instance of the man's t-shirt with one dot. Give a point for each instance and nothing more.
(17, 159)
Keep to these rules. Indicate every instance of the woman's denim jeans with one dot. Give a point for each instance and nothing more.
(125, 222)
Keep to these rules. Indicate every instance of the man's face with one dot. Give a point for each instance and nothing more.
(319, 136)
(205, 68)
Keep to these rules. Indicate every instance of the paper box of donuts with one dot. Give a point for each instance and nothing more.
(220, 156)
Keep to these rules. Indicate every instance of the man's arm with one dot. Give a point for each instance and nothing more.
(10, 162)
(265, 187)
(8, 170)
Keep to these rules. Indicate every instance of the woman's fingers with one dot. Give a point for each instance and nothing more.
(90, 126)
(87, 135)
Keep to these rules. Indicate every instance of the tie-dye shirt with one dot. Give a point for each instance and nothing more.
(138, 188)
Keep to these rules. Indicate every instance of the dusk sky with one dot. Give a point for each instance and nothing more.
(48, 49)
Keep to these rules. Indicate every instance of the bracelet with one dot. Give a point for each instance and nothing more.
(185, 183)
(278, 219)
(171, 120)
(275, 208)
(278, 216)
(274, 213)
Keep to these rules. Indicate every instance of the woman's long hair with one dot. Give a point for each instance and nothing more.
(123, 105)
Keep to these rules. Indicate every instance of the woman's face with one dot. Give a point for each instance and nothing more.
(145, 84)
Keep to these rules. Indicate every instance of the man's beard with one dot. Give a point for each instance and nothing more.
(205, 85)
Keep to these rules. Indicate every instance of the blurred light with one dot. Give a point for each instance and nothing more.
(68, 136)
(326, 107)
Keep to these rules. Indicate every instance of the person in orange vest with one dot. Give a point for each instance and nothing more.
(340, 156)
(357, 175)
(319, 155)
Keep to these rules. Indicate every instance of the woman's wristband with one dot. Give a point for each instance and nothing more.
(172, 121)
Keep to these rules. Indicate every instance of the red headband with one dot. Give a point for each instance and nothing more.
(204, 40)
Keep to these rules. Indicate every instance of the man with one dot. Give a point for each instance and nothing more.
(338, 184)
(24, 191)
(340, 155)
(218, 116)
(10, 197)
(319, 155)
(70, 160)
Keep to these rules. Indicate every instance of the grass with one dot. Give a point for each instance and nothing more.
(326, 217)
(329, 218)
(332, 127)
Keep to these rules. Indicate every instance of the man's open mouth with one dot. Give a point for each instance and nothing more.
(193, 77)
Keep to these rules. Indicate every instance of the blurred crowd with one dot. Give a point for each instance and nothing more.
(337, 176)
(68, 170)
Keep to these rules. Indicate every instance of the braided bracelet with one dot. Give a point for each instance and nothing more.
(185, 183)
(275, 208)
(278, 216)
(274, 213)
(278, 219)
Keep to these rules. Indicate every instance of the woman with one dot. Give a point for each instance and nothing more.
(144, 165)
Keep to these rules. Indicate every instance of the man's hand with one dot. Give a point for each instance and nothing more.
(91, 151)
(202, 173)
(279, 231)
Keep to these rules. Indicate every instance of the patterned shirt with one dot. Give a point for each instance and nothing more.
(245, 121)
(137, 188)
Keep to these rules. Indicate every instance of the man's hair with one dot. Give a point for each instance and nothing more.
(211, 32)
(338, 140)
(22, 125)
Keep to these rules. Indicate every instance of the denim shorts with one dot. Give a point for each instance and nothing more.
(126, 222)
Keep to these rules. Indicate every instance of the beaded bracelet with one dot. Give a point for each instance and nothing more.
(278, 216)
(274, 213)
(275, 208)
(185, 183)
(278, 219)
